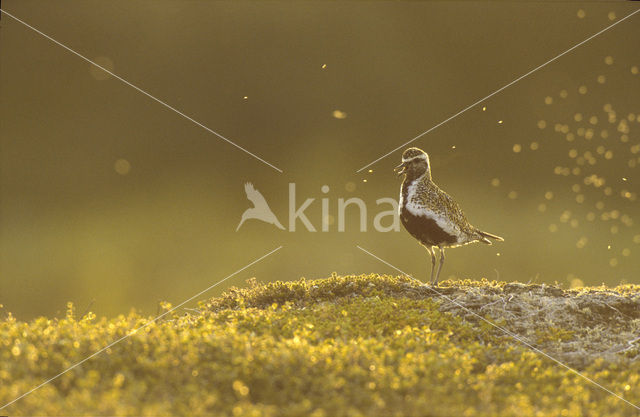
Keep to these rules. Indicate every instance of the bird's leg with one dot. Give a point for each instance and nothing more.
(440, 267)
(433, 262)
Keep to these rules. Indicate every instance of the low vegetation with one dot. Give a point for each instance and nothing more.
(343, 346)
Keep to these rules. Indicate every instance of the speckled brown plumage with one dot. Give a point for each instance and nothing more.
(431, 215)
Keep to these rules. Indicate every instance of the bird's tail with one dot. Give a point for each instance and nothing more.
(483, 237)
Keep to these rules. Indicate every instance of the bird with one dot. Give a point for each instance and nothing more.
(260, 209)
(429, 214)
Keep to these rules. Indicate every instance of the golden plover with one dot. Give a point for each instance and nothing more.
(429, 214)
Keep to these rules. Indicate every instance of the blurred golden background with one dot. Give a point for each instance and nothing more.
(112, 201)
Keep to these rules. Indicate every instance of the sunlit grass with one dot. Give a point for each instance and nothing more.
(355, 345)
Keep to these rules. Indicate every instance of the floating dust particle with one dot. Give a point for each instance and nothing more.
(575, 188)
(612, 15)
(576, 171)
(495, 182)
(548, 100)
(599, 205)
(542, 207)
(350, 186)
(565, 216)
(581, 14)
(122, 166)
(498, 254)
(542, 124)
(364, 180)
(591, 216)
(635, 70)
(245, 97)
(564, 128)
(608, 247)
(608, 155)
(370, 170)
(98, 73)
(484, 108)
(631, 117)
(600, 150)
(613, 262)
(15, 351)
(602, 79)
(588, 134)
(328, 220)
(582, 89)
(564, 94)
(580, 198)
(593, 120)
(534, 146)
(623, 127)
(573, 153)
(576, 283)
(324, 66)
(577, 117)
(339, 114)
(453, 147)
(517, 148)
(553, 228)
(608, 60)
(570, 137)
(607, 107)
(582, 242)
(512, 195)
(626, 252)
(499, 122)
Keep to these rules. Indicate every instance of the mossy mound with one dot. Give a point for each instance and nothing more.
(341, 346)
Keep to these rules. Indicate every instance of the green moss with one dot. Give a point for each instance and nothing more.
(354, 345)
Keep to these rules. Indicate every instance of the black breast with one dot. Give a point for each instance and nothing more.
(426, 230)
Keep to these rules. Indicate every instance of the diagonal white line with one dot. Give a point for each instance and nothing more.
(507, 332)
(134, 331)
(142, 91)
(499, 90)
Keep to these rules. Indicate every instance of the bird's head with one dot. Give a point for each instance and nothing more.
(415, 162)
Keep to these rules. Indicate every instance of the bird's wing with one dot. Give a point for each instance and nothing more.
(254, 195)
(453, 211)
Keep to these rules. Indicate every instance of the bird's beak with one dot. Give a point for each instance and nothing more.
(400, 169)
